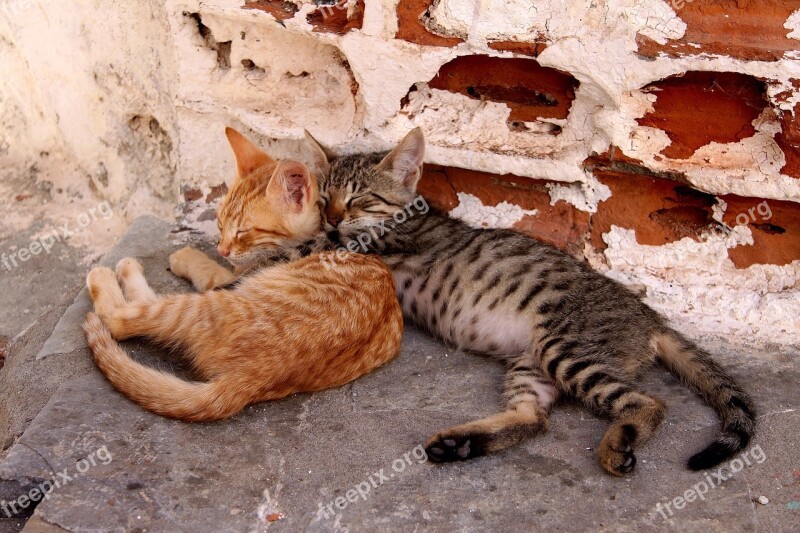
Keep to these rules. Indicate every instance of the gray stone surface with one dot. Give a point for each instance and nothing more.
(65, 338)
(282, 460)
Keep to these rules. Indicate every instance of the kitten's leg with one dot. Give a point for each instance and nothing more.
(529, 397)
(635, 415)
(104, 291)
(204, 273)
(130, 276)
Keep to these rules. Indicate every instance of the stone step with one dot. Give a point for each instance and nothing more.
(349, 458)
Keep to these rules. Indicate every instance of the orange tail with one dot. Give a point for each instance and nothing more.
(160, 392)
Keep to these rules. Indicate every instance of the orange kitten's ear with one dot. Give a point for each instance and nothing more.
(322, 156)
(248, 156)
(405, 161)
(291, 185)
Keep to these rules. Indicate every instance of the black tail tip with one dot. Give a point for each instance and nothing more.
(713, 455)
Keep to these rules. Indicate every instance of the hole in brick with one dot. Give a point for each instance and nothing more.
(413, 18)
(337, 17)
(530, 90)
(703, 107)
(223, 49)
(279, 9)
(537, 127)
(775, 227)
(771, 229)
(684, 193)
(532, 49)
(252, 70)
(683, 221)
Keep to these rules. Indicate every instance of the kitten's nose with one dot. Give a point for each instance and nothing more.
(334, 220)
(224, 252)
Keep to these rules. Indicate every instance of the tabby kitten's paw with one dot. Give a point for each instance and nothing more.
(616, 451)
(447, 447)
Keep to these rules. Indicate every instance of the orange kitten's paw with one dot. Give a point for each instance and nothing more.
(104, 291)
(98, 280)
(128, 268)
(182, 261)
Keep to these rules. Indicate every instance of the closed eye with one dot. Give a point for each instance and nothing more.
(270, 233)
(352, 199)
(384, 200)
(243, 231)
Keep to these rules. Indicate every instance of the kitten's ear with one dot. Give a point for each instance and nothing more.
(248, 156)
(291, 184)
(322, 156)
(405, 161)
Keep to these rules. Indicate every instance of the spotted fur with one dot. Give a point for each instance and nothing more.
(560, 327)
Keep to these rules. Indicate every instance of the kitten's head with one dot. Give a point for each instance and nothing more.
(270, 203)
(363, 190)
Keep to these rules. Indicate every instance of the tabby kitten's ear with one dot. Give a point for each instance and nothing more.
(322, 156)
(249, 157)
(291, 185)
(405, 162)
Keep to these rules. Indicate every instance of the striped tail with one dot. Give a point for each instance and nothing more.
(694, 367)
(160, 392)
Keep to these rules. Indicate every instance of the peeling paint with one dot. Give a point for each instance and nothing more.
(503, 215)
(696, 285)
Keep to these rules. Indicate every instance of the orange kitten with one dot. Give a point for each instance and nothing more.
(297, 327)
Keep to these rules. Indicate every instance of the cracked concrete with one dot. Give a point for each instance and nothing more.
(277, 464)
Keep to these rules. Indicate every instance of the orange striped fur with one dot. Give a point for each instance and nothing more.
(299, 327)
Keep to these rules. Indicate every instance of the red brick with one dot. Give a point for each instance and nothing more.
(412, 28)
(561, 225)
(662, 210)
(776, 238)
(702, 107)
(279, 9)
(659, 210)
(789, 141)
(530, 90)
(532, 49)
(334, 19)
(744, 29)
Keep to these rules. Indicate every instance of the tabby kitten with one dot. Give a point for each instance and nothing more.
(279, 331)
(559, 326)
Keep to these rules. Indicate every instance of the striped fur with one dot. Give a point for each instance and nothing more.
(277, 332)
(560, 327)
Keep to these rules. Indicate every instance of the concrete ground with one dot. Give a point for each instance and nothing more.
(279, 465)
